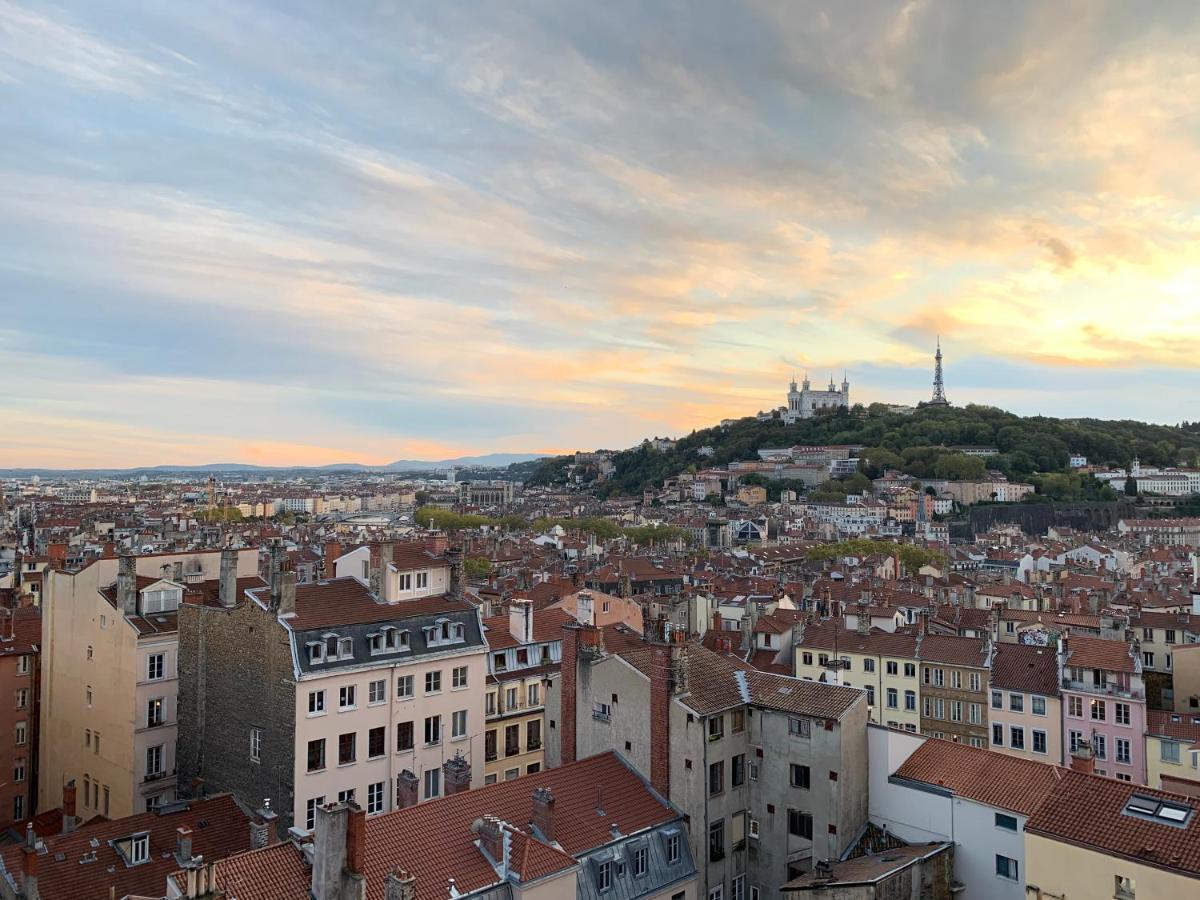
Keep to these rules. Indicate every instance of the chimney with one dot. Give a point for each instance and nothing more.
(29, 866)
(679, 662)
(333, 549)
(7, 624)
(375, 569)
(717, 620)
(543, 813)
(261, 827)
(1082, 759)
(227, 589)
(491, 838)
(585, 608)
(569, 669)
(287, 593)
(68, 807)
(127, 584)
(456, 772)
(337, 849)
(400, 885)
(275, 569)
(406, 789)
(520, 620)
(183, 845)
(661, 666)
(454, 556)
(864, 618)
(436, 543)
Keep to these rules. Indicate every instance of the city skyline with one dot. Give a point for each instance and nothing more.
(302, 237)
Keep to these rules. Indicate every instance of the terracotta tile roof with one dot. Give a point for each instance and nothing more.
(1097, 653)
(764, 661)
(800, 696)
(953, 650)
(347, 601)
(27, 632)
(1080, 801)
(997, 779)
(434, 840)
(1180, 726)
(1025, 668)
(711, 685)
(273, 873)
(226, 830)
(849, 640)
(208, 592)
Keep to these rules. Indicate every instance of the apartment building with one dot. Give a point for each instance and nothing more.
(20, 692)
(954, 687)
(395, 570)
(1104, 704)
(524, 651)
(109, 675)
(1173, 751)
(884, 664)
(1158, 634)
(769, 770)
(325, 692)
(1025, 707)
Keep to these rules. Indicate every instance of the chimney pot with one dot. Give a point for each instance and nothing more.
(543, 812)
(227, 587)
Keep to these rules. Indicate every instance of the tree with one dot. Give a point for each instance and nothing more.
(1130, 486)
(477, 567)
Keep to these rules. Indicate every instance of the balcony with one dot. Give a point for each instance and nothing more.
(155, 777)
(1103, 690)
(534, 745)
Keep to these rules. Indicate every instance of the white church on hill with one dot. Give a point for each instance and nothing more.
(806, 403)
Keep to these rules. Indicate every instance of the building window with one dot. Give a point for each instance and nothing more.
(347, 796)
(1008, 823)
(347, 697)
(154, 760)
(910, 701)
(717, 893)
(1006, 867)
(433, 783)
(799, 727)
(377, 691)
(1121, 713)
(404, 687)
(316, 755)
(716, 840)
(870, 695)
(433, 682)
(154, 712)
(1016, 702)
(868, 665)
(375, 797)
(19, 770)
(376, 742)
(533, 735)
(1039, 741)
(19, 807)
(513, 773)
(739, 887)
(1123, 751)
(458, 724)
(641, 862)
(458, 677)
(910, 670)
(1039, 706)
(155, 666)
(535, 694)
(316, 703)
(892, 668)
(1168, 751)
(604, 876)
(737, 721)
(256, 744)
(716, 778)
(511, 698)
(1098, 710)
(87, 695)
(1016, 738)
(975, 713)
(997, 700)
(893, 698)
(1075, 707)
(422, 580)
(347, 748)
(512, 740)
(716, 728)
(673, 848)
(433, 730)
(139, 849)
(1124, 888)
(997, 734)
(1076, 738)
(404, 736)
(1100, 745)
(800, 824)
(974, 681)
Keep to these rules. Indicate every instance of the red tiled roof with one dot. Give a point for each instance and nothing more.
(273, 873)
(954, 651)
(1089, 811)
(1097, 653)
(1025, 668)
(547, 626)
(996, 779)
(1180, 726)
(347, 601)
(226, 830)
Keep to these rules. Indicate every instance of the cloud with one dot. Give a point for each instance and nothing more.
(570, 224)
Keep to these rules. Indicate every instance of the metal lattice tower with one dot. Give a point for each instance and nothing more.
(939, 387)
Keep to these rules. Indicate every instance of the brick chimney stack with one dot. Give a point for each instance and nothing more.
(543, 812)
(333, 549)
(456, 773)
(1082, 759)
(407, 784)
(661, 692)
(29, 865)
(400, 885)
(127, 584)
(570, 672)
(287, 593)
(70, 823)
(454, 556)
(227, 587)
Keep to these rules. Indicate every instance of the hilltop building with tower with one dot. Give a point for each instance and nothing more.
(806, 402)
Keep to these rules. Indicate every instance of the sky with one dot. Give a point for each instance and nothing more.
(300, 233)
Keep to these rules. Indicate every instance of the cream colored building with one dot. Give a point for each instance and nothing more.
(109, 678)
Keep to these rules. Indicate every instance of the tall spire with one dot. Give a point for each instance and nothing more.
(939, 388)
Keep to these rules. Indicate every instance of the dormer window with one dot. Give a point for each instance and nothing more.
(316, 652)
(345, 648)
(375, 642)
(160, 600)
(135, 849)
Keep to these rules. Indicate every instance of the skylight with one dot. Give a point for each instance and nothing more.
(1168, 812)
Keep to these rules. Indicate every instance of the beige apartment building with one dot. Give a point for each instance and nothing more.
(524, 651)
(109, 676)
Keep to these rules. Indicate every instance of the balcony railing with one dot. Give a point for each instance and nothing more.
(1103, 690)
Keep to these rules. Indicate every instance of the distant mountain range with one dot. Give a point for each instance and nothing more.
(486, 461)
